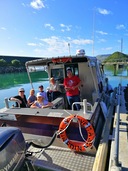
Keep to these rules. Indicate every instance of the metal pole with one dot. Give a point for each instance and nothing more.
(121, 45)
(93, 33)
(116, 151)
(69, 49)
(29, 77)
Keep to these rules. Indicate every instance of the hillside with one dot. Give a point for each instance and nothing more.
(102, 57)
(22, 59)
(116, 56)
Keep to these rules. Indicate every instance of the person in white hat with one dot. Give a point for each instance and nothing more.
(20, 99)
(41, 102)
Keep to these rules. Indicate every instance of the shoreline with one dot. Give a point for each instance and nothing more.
(12, 69)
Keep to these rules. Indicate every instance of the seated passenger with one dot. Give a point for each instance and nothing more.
(42, 92)
(31, 97)
(40, 102)
(54, 90)
(20, 99)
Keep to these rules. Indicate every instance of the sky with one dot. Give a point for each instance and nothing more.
(52, 28)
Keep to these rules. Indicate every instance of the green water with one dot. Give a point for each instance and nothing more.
(10, 83)
(14, 79)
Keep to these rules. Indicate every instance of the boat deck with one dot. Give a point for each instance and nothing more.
(60, 159)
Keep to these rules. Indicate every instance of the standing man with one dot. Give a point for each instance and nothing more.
(72, 83)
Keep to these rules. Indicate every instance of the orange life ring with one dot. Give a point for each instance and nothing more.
(77, 145)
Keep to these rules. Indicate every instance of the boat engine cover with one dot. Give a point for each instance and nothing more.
(12, 148)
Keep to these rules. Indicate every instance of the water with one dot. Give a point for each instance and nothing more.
(10, 83)
(122, 77)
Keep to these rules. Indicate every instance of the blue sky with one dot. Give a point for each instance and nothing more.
(49, 28)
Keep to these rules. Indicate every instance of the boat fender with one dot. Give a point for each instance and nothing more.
(77, 145)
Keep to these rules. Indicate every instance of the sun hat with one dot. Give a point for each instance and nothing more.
(39, 94)
(21, 89)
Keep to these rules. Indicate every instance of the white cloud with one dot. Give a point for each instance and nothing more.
(31, 44)
(107, 48)
(101, 40)
(56, 40)
(3, 28)
(102, 33)
(23, 4)
(65, 27)
(49, 26)
(103, 11)
(37, 4)
(51, 46)
(119, 27)
(81, 41)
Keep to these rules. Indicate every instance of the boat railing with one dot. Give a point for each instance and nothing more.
(87, 107)
(115, 165)
(7, 102)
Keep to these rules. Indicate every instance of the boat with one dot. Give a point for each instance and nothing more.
(67, 139)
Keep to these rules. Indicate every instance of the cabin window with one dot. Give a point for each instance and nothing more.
(57, 74)
(74, 69)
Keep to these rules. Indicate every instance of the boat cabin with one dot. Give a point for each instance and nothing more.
(88, 69)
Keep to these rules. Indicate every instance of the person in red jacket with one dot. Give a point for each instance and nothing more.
(71, 84)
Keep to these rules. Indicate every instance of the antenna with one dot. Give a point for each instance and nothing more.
(69, 49)
(121, 45)
(93, 33)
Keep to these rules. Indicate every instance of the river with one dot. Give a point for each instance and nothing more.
(10, 83)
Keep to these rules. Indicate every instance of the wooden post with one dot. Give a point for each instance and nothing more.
(115, 65)
(127, 70)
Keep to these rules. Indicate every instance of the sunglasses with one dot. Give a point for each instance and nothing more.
(21, 91)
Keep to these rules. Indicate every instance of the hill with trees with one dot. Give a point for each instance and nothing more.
(10, 64)
(116, 56)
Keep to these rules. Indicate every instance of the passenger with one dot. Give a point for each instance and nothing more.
(53, 91)
(31, 97)
(40, 102)
(72, 83)
(43, 93)
(20, 99)
(108, 88)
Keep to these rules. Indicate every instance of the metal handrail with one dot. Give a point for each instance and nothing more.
(115, 163)
(85, 105)
(6, 100)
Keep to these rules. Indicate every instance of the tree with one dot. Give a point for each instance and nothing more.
(3, 62)
(15, 63)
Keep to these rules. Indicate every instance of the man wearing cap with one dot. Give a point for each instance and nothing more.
(72, 84)
(20, 99)
(43, 93)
